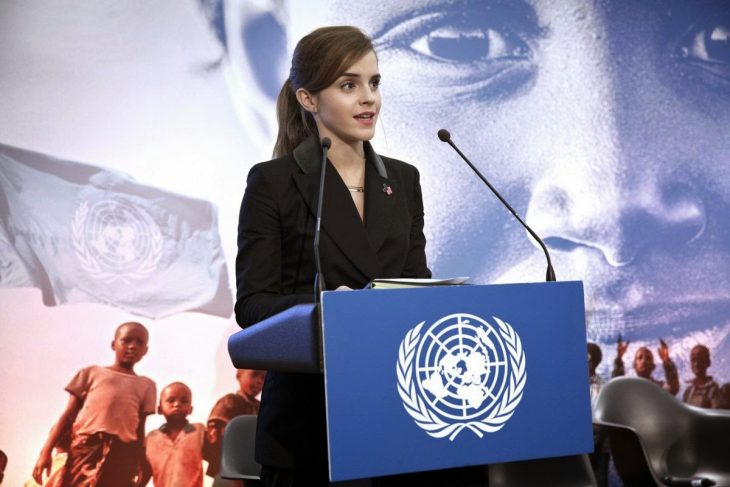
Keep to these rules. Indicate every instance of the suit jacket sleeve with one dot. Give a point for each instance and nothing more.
(258, 262)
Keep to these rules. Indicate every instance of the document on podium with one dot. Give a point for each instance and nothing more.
(405, 282)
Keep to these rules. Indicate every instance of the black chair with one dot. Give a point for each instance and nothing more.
(239, 438)
(655, 439)
(570, 471)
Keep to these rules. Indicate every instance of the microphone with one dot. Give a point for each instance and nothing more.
(319, 288)
(445, 136)
(688, 482)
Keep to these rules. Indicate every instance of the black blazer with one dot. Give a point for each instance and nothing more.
(275, 269)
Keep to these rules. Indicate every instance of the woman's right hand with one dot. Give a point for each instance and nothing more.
(44, 463)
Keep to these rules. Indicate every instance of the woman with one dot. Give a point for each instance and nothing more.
(372, 226)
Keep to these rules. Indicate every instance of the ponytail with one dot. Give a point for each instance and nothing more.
(295, 123)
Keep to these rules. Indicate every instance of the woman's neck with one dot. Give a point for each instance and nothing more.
(349, 160)
(347, 156)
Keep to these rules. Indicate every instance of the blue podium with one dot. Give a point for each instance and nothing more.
(428, 378)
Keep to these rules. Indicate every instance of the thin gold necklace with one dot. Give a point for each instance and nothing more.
(356, 189)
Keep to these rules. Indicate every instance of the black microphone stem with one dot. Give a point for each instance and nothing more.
(550, 274)
(320, 284)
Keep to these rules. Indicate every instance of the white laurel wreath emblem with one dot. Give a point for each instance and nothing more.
(434, 425)
(90, 263)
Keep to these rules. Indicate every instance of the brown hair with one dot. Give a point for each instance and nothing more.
(319, 59)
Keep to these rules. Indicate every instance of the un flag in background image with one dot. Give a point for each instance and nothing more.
(82, 233)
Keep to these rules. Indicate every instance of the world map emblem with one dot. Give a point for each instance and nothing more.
(462, 372)
(115, 240)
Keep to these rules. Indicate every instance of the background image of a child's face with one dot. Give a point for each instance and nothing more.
(604, 123)
(176, 401)
(130, 345)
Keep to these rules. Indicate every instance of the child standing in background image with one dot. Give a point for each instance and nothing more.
(702, 390)
(175, 450)
(644, 365)
(107, 407)
(243, 401)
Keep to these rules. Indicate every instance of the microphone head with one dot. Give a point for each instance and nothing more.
(326, 143)
(444, 135)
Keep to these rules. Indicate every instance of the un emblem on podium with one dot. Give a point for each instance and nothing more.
(462, 372)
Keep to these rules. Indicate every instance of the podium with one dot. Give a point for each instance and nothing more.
(440, 377)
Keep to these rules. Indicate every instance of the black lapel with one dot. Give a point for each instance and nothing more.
(340, 219)
(380, 199)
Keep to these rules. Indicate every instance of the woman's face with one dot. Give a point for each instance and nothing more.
(347, 110)
(605, 124)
